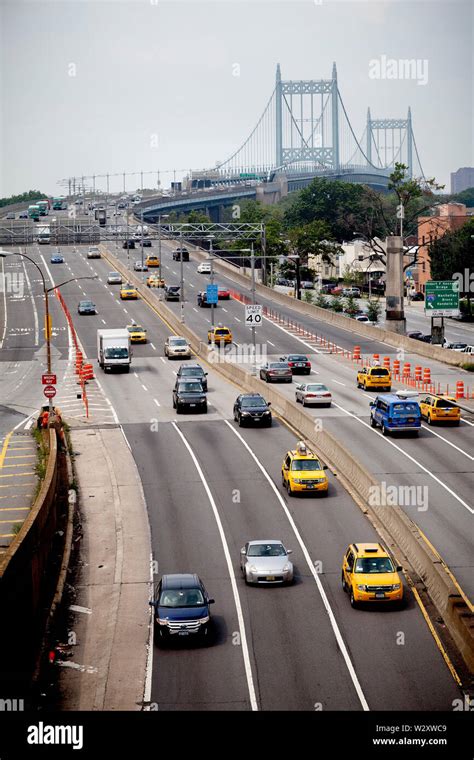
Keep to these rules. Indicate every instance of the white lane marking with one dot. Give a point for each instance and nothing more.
(35, 311)
(135, 375)
(235, 591)
(237, 319)
(194, 309)
(125, 310)
(467, 422)
(78, 608)
(270, 343)
(430, 430)
(304, 342)
(103, 321)
(412, 459)
(153, 347)
(223, 309)
(327, 606)
(29, 424)
(163, 359)
(333, 380)
(156, 402)
(190, 284)
(4, 304)
(144, 387)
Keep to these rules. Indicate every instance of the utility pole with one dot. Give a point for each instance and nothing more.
(182, 274)
(254, 347)
(211, 255)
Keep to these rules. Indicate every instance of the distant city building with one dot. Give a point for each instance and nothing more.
(462, 179)
(446, 217)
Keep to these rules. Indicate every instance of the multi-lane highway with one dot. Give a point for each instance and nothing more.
(210, 486)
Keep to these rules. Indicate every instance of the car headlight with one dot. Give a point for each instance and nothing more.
(362, 588)
(298, 480)
(267, 412)
(396, 587)
(205, 619)
(287, 567)
(253, 569)
(162, 621)
(245, 414)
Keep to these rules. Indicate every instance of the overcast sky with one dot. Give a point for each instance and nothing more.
(95, 87)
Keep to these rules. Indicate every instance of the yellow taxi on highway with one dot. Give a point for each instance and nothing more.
(128, 292)
(152, 261)
(219, 334)
(374, 378)
(435, 409)
(154, 281)
(302, 471)
(369, 575)
(137, 333)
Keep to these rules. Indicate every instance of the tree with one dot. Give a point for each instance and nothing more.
(313, 239)
(351, 306)
(307, 296)
(336, 304)
(322, 301)
(451, 257)
(374, 308)
(30, 195)
(465, 196)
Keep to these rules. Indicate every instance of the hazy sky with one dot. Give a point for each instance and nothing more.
(95, 87)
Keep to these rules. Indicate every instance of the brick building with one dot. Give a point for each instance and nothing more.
(446, 217)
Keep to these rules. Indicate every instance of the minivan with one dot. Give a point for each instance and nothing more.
(394, 413)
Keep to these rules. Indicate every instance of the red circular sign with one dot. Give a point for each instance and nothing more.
(49, 391)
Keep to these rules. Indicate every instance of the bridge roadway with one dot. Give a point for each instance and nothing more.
(294, 657)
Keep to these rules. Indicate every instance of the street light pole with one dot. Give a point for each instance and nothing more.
(252, 265)
(182, 274)
(160, 217)
(211, 256)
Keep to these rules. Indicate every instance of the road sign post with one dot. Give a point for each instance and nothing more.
(48, 379)
(49, 391)
(253, 314)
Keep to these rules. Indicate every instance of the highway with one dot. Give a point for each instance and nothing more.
(210, 486)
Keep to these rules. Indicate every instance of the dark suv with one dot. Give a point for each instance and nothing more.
(181, 608)
(252, 407)
(189, 393)
(192, 372)
(172, 292)
(181, 252)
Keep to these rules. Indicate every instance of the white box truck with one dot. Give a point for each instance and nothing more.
(114, 349)
(43, 235)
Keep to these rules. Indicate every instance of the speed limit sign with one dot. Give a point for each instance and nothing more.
(253, 314)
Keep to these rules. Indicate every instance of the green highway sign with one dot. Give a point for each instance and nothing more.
(246, 175)
(442, 298)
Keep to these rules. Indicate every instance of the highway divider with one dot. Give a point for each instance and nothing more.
(404, 533)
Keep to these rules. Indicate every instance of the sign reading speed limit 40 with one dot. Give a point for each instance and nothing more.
(253, 314)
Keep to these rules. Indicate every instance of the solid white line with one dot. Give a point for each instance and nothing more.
(467, 422)
(333, 380)
(412, 459)
(35, 311)
(308, 345)
(235, 591)
(4, 303)
(327, 606)
(461, 451)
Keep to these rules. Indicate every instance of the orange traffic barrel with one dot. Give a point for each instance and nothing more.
(386, 362)
(406, 369)
(426, 375)
(460, 389)
(87, 372)
(396, 367)
(418, 372)
(376, 357)
(356, 353)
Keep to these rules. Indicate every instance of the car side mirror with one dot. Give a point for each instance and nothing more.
(211, 601)
(242, 551)
(399, 568)
(325, 466)
(152, 604)
(371, 403)
(206, 373)
(289, 551)
(269, 403)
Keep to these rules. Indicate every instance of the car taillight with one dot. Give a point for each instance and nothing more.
(326, 395)
(310, 395)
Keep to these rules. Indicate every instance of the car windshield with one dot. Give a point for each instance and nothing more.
(116, 353)
(253, 401)
(380, 371)
(458, 345)
(135, 328)
(178, 342)
(306, 464)
(114, 274)
(316, 387)
(191, 371)
(399, 410)
(374, 565)
(266, 550)
(222, 331)
(297, 358)
(190, 387)
(278, 365)
(444, 404)
(183, 597)
(86, 304)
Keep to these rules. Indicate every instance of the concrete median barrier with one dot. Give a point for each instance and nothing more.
(358, 481)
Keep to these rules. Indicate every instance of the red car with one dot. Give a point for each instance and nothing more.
(299, 363)
(223, 293)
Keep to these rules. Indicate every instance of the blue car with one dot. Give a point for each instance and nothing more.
(395, 414)
(57, 259)
(181, 609)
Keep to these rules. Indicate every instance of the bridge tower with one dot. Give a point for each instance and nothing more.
(381, 136)
(304, 130)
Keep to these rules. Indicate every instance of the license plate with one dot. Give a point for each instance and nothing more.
(310, 485)
(299, 364)
(192, 404)
(380, 596)
(270, 577)
(183, 633)
(411, 419)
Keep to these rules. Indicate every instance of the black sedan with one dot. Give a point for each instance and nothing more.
(192, 372)
(252, 408)
(128, 244)
(276, 371)
(181, 252)
(86, 307)
(299, 363)
(181, 609)
(202, 299)
(189, 394)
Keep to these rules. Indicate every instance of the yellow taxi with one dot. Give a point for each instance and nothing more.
(128, 292)
(153, 281)
(137, 333)
(302, 471)
(369, 575)
(435, 409)
(219, 334)
(152, 261)
(376, 378)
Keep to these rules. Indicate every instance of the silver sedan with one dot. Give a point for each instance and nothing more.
(312, 394)
(266, 561)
